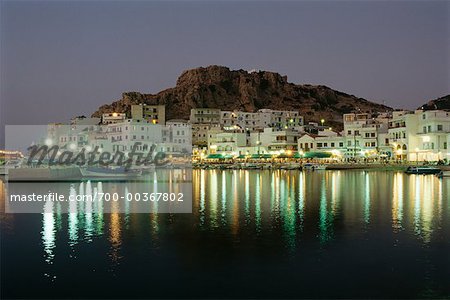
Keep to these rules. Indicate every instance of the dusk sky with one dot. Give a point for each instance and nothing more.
(62, 59)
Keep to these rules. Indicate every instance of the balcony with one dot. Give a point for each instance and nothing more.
(392, 126)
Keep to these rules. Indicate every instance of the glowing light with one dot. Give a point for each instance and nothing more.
(426, 138)
(114, 114)
(48, 142)
(289, 152)
(336, 152)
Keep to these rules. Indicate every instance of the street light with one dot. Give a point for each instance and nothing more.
(322, 121)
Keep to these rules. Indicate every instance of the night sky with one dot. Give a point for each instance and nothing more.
(62, 59)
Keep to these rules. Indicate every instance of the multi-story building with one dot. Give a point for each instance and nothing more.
(263, 118)
(124, 136)
(361, 133)
(280, 119)
(402, 134)
(113, 118)
(420, 135)
(154, 114)
(279, 140)
(202, 120)
(177, 135)
(433, 134)
(226, 142)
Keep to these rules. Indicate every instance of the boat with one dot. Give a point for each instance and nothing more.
(110, 172)
(249, 166)
(423, 170)
(291, 166)
(309, 166)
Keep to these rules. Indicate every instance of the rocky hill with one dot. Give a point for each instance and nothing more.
(220, 87)
(439, 103)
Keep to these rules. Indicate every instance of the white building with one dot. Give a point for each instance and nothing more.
(361, 134)
(421, 135)
(177, 136)
(263, 118)
(226, 142)
(279, 140)
(331, 142)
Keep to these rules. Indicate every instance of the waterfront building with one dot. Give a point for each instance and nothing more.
(279, 140)
(420, 135)
(123, 136)
(402, 134)
(177, 136)
(329, 142)
(361, 132)
(226, 142)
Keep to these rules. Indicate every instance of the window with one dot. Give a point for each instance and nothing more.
(319, 145)
(424, 129)
(367, 135)
(341, 144)
(332, 144)
(349, 143)
(445, 145)
(356, 132)
(372, 134)
(424, 116)
(349, 132)
(439, 127)
(325, 144)
(373, 144)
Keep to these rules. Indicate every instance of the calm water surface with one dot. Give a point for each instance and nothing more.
(251, 234)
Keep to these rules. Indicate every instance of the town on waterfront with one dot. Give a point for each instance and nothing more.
(263, 139)
(224, 150)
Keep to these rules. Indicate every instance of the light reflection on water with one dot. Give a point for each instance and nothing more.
(220, 197)
(324, 206)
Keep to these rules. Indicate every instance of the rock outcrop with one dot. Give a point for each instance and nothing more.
(220, 87)
(439, 103)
